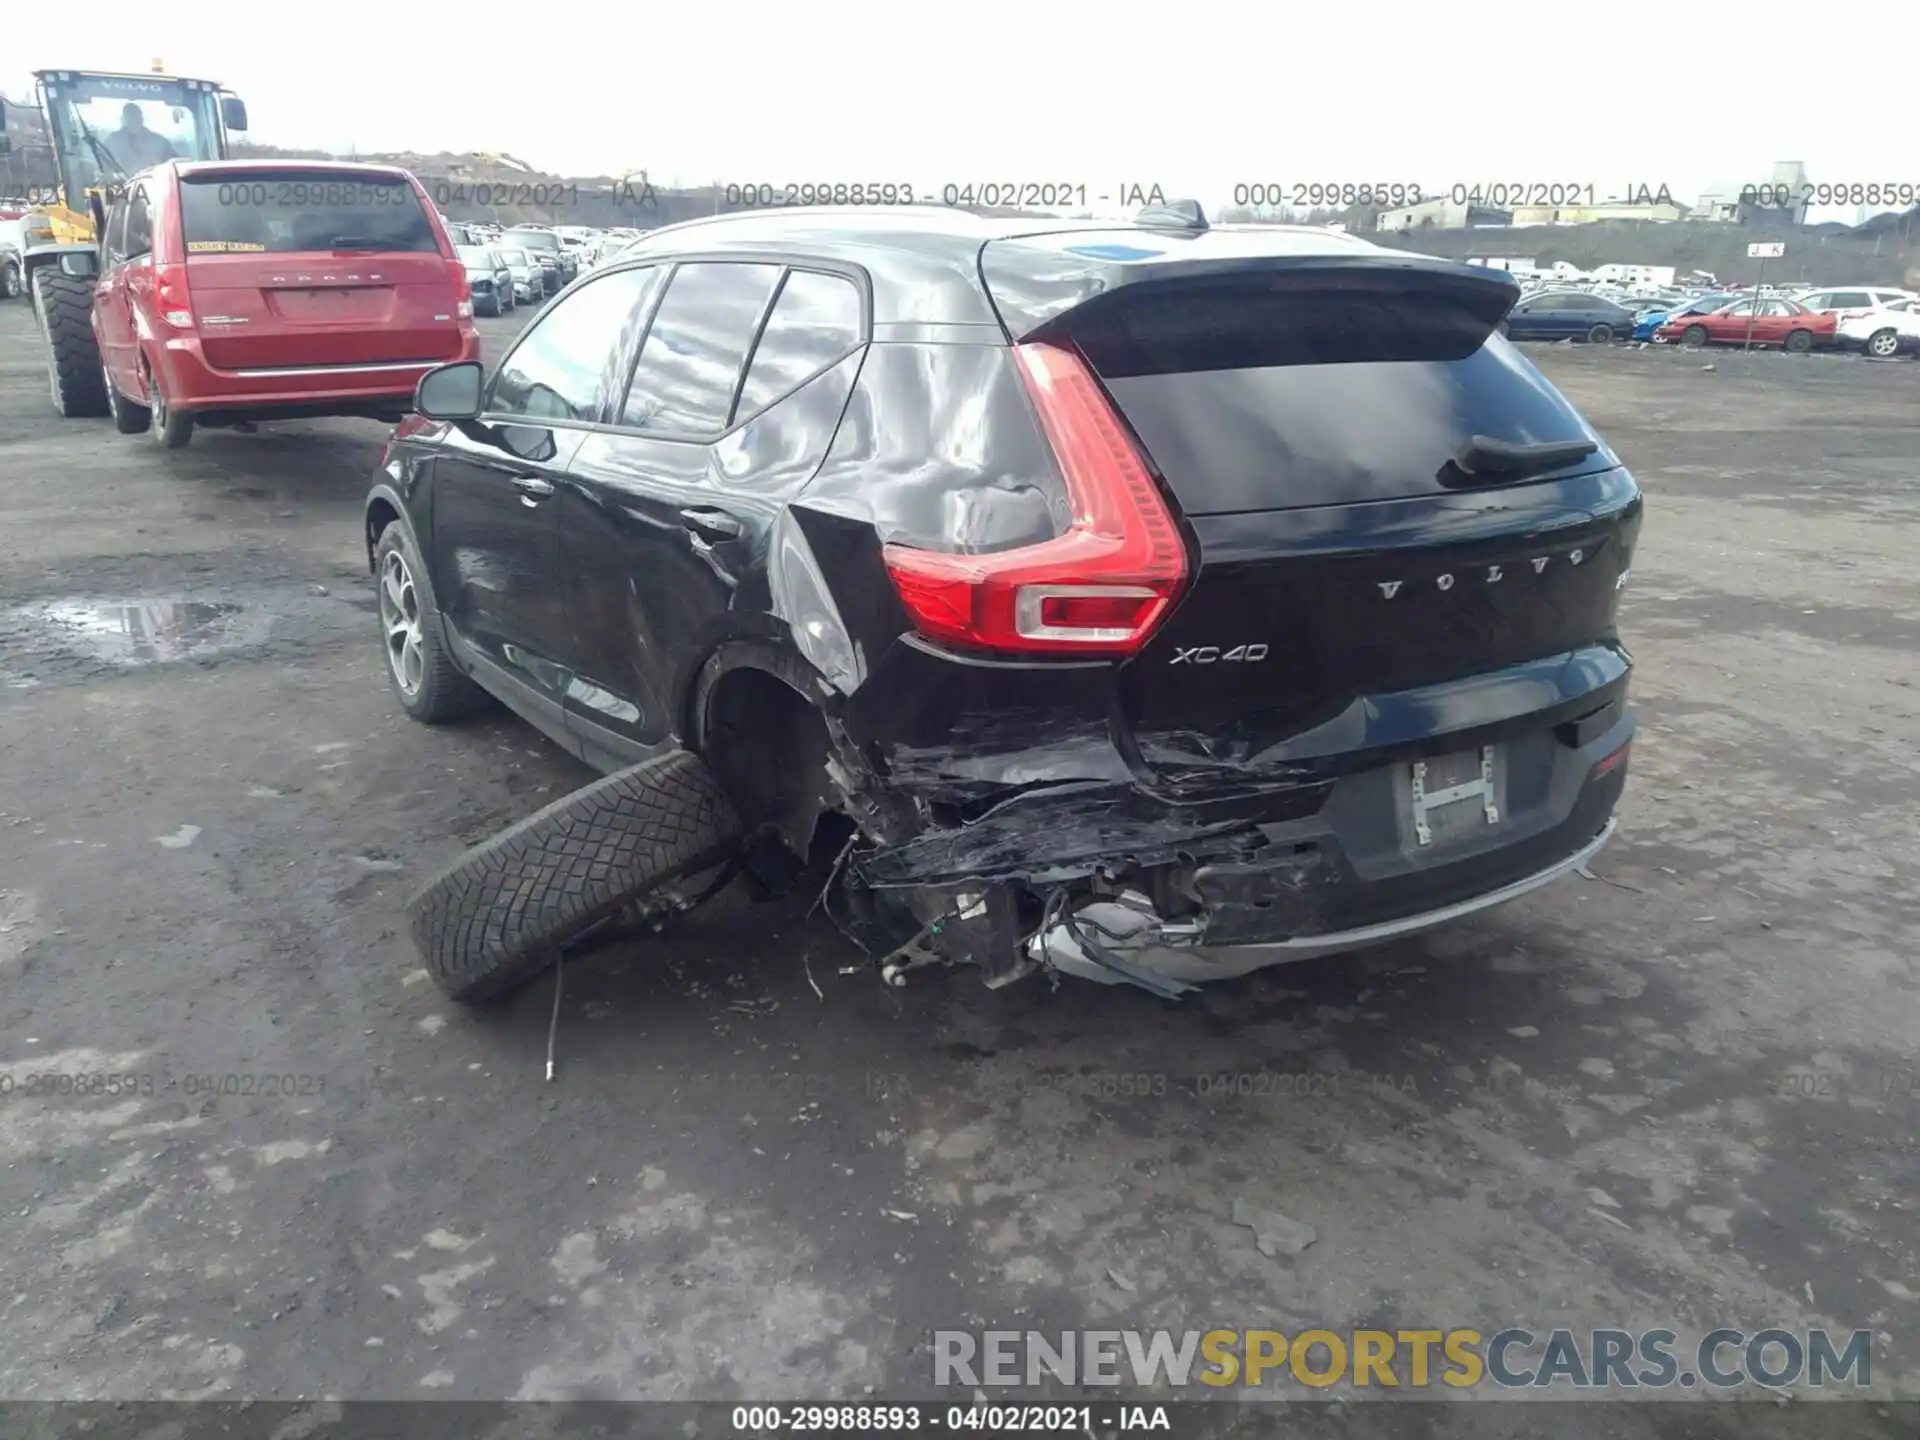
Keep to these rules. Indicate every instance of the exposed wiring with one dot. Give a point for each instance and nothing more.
(553, 1023)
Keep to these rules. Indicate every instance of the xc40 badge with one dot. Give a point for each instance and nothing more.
(1213, 654)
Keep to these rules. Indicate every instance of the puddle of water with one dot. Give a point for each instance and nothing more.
(133, 632)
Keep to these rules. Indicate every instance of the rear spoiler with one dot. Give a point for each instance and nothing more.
(1047, 284)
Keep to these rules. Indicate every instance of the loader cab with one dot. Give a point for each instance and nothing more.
(104, 127)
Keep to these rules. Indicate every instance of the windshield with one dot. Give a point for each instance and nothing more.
(537, 240)
(108, 127)
(515, 257)
(474, 255)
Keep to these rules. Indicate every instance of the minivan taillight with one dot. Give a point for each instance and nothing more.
(462, 291)
(1098, 588)
(172, 298)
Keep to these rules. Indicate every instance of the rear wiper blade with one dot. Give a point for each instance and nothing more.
(354, 242)
(1482, 459)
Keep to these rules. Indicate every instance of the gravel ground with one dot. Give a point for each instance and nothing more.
(1681, 1092)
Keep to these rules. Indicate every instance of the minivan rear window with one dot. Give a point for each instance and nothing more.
(280, 211)
(1275, 400)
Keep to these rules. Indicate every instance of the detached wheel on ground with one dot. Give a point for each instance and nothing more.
(1884, 344)
(498, 915)
(64, 304)
(1600, 335)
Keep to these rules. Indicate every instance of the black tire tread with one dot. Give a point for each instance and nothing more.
(498, 915)
(65, 303)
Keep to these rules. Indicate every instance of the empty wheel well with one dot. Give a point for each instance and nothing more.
(769, 747)
(380, 514)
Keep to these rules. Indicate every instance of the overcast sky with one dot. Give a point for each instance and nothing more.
(1196, 96)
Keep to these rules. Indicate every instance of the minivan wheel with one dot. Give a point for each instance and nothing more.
(429, 687)
(129, 417)
(1695, 337)
(1600, 335)
(172, 429)
(1883, 344)
(1799, 342)
(499, 914)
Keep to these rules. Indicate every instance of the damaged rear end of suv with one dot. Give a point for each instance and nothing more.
(1147, 603)
(1270, 614)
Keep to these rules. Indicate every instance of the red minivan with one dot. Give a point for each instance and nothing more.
(241, 290)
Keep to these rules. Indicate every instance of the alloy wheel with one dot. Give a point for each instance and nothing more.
(400, 619)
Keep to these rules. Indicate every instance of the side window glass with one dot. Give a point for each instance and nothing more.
(139, 239)
(116, 237)
(815, 322)
(568, 360)
(696, 348)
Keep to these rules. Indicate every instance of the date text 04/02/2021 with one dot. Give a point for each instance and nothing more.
(985, 194)
(1393, 195)
(884, 1419)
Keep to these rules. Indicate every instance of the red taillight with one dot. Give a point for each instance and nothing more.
(171, 297)
(1102, 585)
(1611, 762)
(462, 292)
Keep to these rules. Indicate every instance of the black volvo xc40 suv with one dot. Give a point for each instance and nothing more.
(1149, 601)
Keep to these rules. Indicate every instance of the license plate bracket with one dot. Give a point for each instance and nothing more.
(1444, 793)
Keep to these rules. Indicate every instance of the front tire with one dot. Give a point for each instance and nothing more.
(499, 914)
(1884, 344)
(429, 687)
(64, 304)
(1695, 338)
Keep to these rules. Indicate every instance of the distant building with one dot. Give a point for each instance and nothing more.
(1588, 214)
(1634, 274)
(1442, 215)
(1777, 198)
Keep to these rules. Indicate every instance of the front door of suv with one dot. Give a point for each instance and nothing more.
(494, 551)
(745, 371)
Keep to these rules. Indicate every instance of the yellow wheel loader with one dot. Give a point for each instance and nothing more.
(102, 129)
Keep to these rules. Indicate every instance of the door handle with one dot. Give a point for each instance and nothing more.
(532, 485)
(717, 523)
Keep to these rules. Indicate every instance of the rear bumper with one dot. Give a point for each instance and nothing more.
(194, 386)
(1323, 856)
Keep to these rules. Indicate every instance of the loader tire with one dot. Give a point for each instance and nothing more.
(497, 916)
(64, 304)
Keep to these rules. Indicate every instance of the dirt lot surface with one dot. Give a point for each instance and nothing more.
(1682, 1092)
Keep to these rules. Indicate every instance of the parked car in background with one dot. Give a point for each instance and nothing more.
(242, 290)
(1855, 300)
(1646, 325)
(1769, 320)
(491, 279)
(1891, 330)
(529, 278)
(1567, 315)
(554, 257)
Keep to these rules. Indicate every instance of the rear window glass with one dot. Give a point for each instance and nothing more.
(278, 212)
(535, 240)
(1323, 398)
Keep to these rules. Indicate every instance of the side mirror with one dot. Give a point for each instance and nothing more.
(233, 112)
(81, 264)
(452, 392)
